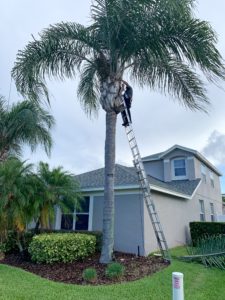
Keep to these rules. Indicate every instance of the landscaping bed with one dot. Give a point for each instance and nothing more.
(135, 268)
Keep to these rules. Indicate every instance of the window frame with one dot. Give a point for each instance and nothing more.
(203, 173)
(202, 210)
(212, 182)
(179, 177)
(212, 212)
(74, 214)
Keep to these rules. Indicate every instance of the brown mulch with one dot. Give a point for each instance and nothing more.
(135, 268)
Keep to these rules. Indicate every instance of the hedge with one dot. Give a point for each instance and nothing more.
(9, 245)
(200, 229)
(58, 247)
(97, 234)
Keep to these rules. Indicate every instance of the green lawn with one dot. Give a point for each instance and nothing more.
(200, 284)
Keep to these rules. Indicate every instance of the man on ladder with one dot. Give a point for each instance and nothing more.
(127, 97)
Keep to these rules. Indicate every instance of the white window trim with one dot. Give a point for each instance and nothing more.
(212, 212)
(174, 177)
(202, 212)
(203, 173)
(212, 182)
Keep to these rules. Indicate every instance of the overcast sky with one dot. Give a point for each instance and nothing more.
(159, 122)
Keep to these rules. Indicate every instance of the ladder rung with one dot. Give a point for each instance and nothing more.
(132, 139)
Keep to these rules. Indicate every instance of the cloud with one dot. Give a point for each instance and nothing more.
(215, 148)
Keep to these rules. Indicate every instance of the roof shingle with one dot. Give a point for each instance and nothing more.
(127, 176)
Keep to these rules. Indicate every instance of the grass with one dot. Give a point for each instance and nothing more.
(200, 284)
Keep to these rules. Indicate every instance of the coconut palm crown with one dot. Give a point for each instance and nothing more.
(160, 44)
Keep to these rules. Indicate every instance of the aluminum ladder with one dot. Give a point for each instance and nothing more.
(161, 240)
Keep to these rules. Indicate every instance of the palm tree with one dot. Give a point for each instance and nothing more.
(23, 123)
(157, 43)
(16, 193)
(54, 188)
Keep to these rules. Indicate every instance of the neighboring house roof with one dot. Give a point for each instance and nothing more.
(161, 155)
(126, 178)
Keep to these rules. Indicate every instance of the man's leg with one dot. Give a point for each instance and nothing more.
(129, 115)
(125, 119)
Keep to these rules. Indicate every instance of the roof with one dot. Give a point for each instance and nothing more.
(126, 178)
(161, 155)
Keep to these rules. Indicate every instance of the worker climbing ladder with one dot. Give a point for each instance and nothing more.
(147, 193)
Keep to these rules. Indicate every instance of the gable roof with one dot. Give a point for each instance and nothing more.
(126, 178)
(161, 155)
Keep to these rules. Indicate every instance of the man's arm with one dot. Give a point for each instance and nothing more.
(126, 83)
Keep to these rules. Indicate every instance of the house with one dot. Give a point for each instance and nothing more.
(185, 187)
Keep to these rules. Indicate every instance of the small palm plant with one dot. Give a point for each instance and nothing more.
(17, 192)
(54, 187)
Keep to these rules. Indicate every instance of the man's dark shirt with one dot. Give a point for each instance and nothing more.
(128, 96)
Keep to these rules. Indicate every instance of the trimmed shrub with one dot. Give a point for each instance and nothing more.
(200, 230)
(57, 247)
(114, 270)
(89, 275)
(97, 234)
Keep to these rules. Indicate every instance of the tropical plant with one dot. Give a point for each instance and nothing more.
(16, 194)
(157, 43)
(23, 123)
(54, 187)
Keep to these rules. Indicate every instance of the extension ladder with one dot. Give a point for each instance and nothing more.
(161, 240)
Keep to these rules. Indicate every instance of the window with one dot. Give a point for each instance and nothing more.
(179, 168)
(212, 180)
(212, 214)
(67, 222)
(82, 215)
(203, 172)
(79, 220)
(202, 210)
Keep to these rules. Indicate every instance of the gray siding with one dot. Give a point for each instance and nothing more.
(155, 169)
(128, 221)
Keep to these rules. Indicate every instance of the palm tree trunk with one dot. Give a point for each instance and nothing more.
(108, 211)
(4, 154)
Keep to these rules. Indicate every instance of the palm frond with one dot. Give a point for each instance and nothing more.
(59, 52)
(88, 90)
(172, 77)
(28, 123)
(209, 250)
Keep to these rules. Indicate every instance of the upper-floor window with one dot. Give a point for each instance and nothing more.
(202, 210)
(212, 213)
(79, 219)
(203, 172)
(212, 180)
(179, 168)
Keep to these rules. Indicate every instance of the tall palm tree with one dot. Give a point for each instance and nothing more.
(23, 123)
(157, 43)
(54, 187)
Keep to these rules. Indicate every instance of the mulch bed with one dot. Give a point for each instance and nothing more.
(135, 268)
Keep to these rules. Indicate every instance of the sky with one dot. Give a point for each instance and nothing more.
(159, 121)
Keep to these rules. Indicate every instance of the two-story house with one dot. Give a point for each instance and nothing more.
(185, 187)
